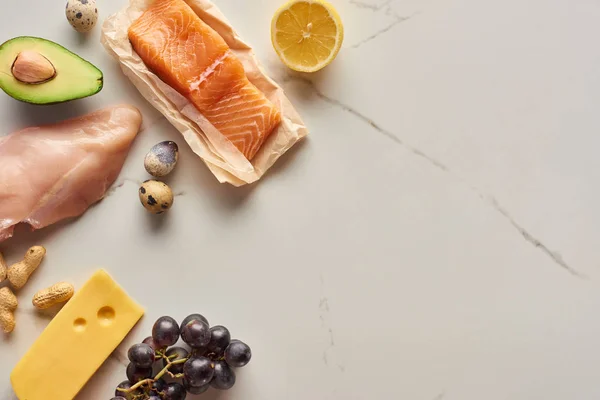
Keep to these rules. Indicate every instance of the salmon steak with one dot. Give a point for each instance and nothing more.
(53, 172)
(192, 58)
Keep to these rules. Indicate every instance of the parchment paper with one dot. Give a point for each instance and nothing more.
(225, 161)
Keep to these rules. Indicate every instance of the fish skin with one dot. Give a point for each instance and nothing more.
(188, 55)
(52, 172)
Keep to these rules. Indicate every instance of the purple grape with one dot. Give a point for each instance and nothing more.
(136, 374)
(165, 332)
(127, 395)
(198, 351)
(198, 371)
(238, 354)
(219, 339)
(142, 355)
(193, 389)
(158, 386)
(191, 317)
(174, 391)
(150, 342)
(180, 354)
(224, 376)
(196, 333)
(123, 385)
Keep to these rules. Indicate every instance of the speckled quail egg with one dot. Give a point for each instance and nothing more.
(82, 14)
(161, 159)
(156, 197)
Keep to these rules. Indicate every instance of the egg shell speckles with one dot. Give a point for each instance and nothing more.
(82, 14)
(156, 197)
(161, 159)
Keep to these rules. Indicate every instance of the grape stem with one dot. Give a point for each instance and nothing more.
(166, 368)
(158, 376)
(174, 376)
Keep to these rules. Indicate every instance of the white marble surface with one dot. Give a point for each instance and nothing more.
(434, 238)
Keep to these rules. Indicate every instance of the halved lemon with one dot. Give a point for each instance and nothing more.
(307, 34)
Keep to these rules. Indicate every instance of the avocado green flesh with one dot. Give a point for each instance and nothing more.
(75, 77)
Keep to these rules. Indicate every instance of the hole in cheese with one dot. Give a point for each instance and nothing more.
(79, 324)
(106, 315)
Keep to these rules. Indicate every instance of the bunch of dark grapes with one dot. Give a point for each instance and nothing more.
(208, 361)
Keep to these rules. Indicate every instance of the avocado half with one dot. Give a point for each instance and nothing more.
(39, 71)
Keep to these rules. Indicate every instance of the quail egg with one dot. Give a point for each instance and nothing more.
(82, 14)
(162, 158)
(156, 197)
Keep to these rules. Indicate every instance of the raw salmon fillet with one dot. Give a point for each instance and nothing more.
(53, 172)
(188, 55)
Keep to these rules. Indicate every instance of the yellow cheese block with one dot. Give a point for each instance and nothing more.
(76, 342)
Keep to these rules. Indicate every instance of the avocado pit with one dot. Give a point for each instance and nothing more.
(32, 68)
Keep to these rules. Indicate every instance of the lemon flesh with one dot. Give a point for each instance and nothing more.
(307, 34)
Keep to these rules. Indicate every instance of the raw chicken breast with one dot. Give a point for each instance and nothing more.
(53, 172)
